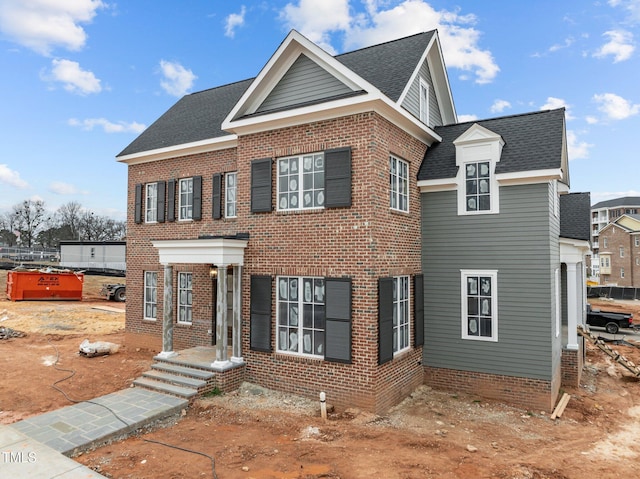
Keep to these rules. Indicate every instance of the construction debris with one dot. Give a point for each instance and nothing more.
(612, 353)
(8, 333)
(562, 404)
(99, 348)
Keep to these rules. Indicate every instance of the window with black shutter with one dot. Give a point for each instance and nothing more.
(338, 320)
(338, 177)
(261, 185)
(197, 197)
(260, 313)
(216, 196)
(138, 204)
(385, 320)
(161, 201)
(171, 200)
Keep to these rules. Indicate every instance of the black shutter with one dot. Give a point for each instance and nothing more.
(161, 201)
(385, 320)
(337, 332)
(197, 198)
(216, 197)
(261, 185)
(418, 310)
(260, 331)
(138, 199)
(171, 200)
(337, 183)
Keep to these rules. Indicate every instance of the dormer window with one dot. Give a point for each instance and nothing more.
(478, 151)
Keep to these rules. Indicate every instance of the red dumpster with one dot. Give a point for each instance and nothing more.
(40, 285)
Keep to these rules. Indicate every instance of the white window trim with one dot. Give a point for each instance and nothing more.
(636, 241)
(227, 202)
(146, 300)
(397, 305)
(558, 301)
(396, 180)
(424, 101)
(151, 204)
(621, 250)
(180, 304)
(493, 274)
(300, 301)
(180, 205)
(300, 190)
(556, 198)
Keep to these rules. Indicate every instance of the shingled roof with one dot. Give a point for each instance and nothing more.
(198, 116)
(575, 215)
(616, 202)
(533, 141)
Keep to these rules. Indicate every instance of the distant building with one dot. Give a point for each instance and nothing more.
(601, 215)
(94, 255)
(620, 252)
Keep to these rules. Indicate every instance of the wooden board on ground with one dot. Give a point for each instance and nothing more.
(109, 308)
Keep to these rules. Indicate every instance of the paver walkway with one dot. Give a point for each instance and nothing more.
(26, 446)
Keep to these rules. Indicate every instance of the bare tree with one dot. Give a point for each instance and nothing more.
(8, 229)
(69, 217)
(29, 217)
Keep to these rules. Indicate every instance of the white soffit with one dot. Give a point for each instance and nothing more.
(216, 251)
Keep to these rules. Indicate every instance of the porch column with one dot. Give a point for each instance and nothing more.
(167, 314)
(572, 306)
(221, 317)
(236, 355)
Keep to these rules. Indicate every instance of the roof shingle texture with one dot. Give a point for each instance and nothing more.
(624, 201)
(575, 216)
(199, 116)
(533, 141)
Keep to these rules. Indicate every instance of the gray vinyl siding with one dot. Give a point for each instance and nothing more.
(412, 99)
(305, 82)
(520, 242)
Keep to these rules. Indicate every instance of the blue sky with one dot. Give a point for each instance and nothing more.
(81, 79)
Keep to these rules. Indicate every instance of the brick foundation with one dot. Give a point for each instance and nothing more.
(572, 363)
(527, 393)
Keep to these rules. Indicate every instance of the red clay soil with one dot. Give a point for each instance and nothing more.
(260, 434)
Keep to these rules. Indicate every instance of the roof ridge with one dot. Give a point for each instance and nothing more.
(514, 115)
(385, 43)
(220, 86)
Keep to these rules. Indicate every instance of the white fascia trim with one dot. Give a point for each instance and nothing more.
(214, 144)
(335, 109)
(441, 184)
(529, 177)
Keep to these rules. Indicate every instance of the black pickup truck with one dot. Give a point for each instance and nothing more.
(611, 321)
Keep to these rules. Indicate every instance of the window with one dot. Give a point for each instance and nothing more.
(637, 261)
(301, 315)
(621, 251)
(185, 297)
(93, 252)
(622, 272)
(477, 178)
(230, 190)
(399, 184)
(151, 203)
(186, 199)
(479, 305)
(605, 262)
(605, 242)
(150, 295)
(424, 101)
(301, 182)
(400, 313)
(636, 241)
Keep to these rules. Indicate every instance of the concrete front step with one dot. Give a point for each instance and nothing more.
(154, 385)
(186, 381)
(183, 370)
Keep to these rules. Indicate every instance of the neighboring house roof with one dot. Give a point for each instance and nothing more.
(193, 118)
(387, 67)
(575, 215)
(533, 141)
(624, 201)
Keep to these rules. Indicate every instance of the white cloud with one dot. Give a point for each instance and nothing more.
(74, 78)
(11, 177)
(591, 120)
(42, 25)
(60, 188)
(555, 103)
(577, 149)
(499, 106)
(620, 46)
(559, 46)
(465, 118)
(631, 6)
(177, 79)
(107, 126)
(460, 41)
(234, 21)
(615, 107)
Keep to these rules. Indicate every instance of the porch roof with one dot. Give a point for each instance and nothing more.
(216, 251)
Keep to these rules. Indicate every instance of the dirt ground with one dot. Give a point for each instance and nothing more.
(259, 434)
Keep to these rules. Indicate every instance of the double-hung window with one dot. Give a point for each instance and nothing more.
(150, 295)
(399, 184)
(479, 304)
(401, 323)
(636, 241)
(230, 195)
(185, 297)
(301, 182)
(301, 315)
(186, 199)
(151, 203)
(621, 251)
(424, 101)
(477, 180)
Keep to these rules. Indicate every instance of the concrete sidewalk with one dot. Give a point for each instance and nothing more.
(37, 447)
